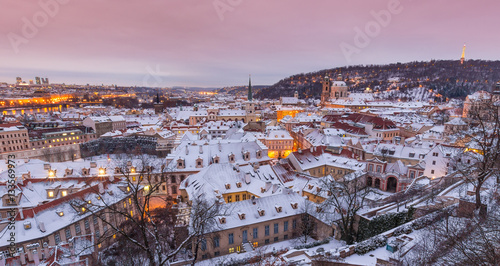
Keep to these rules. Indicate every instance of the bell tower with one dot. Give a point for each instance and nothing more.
(325, 93)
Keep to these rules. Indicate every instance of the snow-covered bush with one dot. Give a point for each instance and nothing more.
(313, 244)
(370, 244)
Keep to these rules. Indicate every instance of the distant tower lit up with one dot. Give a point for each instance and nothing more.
(462, 59)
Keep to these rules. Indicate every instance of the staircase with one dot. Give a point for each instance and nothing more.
(246, 247)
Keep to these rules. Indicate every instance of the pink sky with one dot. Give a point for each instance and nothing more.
(125, 42)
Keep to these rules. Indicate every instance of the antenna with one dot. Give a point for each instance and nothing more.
(462, 59)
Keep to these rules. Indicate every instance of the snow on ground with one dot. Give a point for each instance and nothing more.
(268, 249)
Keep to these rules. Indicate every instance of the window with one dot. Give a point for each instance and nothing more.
(433, 162)
(174, 189)
(231, 250)
(95, 219)
(285, 237)
(229, 198)
(231, 239)
(216, 242)
(216, 253)
(432, 171)
(412, 174)
(237, 197)
(266, 241)
(294, 224)
(266, 230)
(78, 230)
(57, 238)
(276, 239)
(285, 226)
(68, 233)
(255, 232)
(87, 224)
(204, 244)
(244, 196)
(370, 168)
(276, 228)
(379, 168)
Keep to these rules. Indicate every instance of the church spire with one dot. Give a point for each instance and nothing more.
(249, 87)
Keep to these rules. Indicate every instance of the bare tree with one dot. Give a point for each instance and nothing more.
(481, 156)
(345, 198)
(307, 224)
(142, 225)
(459, 242)
(203, 222)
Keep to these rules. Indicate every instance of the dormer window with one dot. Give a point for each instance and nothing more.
(310, 186)
(85, 171)
(238, 184)
(64, 193)
(231, 158)
(295, 205)
(50, 194)
(246, 156)
(228, 186)
(262, 190)
(318, 189)
(242, 216)
(319, 209)
(117, 170)
(180, 164)
(199, 163)
(259, 154)
(216, 159)
(279, 208)
(222, 220)
(261, 212)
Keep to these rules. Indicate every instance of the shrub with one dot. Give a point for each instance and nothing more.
(370, 244)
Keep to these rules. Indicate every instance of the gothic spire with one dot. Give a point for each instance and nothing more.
(249, 87)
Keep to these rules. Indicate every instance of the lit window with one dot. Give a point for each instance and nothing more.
(64, 193)
(51, 194)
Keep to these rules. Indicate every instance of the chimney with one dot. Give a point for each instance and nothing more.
(201, 149)
(101, 188)
(41, 226)
(187, 150)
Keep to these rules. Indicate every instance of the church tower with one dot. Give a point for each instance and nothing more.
(325, 93)
(250, 104)
(158, 105)
(250, 88)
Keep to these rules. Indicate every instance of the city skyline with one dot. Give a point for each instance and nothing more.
(218, 43)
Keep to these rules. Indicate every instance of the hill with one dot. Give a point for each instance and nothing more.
(444, 78)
